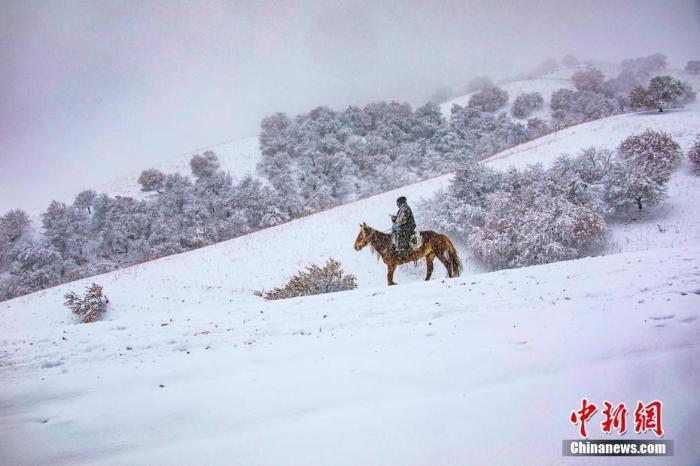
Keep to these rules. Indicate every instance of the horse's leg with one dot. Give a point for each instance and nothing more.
(429, 263)
(446, 263)
(390, 274)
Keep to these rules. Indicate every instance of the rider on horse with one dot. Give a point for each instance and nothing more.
(404, 226)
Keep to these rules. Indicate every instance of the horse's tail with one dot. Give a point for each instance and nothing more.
(452, 258)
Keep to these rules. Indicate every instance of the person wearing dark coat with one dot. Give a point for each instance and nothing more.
(404, 225)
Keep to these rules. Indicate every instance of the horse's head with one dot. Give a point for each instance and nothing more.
(362, 239)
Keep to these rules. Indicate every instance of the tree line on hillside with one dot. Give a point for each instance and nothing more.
(99, 233)
(533, 216)
(308, 163)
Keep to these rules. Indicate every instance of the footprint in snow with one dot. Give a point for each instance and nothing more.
(688, 320)
(666, 317)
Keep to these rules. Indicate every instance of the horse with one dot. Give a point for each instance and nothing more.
(434, 245)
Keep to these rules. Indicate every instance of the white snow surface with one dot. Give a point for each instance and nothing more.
(481, 369)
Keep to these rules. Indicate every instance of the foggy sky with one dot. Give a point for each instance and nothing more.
(92, 90)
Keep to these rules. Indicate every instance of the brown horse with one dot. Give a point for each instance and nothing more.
(434, 245)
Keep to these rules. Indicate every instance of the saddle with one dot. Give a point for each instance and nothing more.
(416, 241)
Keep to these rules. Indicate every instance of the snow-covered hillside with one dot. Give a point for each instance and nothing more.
(267, 258)
(482, 369)
(545, 86)
(239, 157)
(189, 366)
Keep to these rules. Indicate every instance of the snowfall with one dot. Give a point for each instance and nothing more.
(189, 367)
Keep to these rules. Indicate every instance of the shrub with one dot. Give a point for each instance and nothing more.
(90, 306)
(519, 232)
(314, 280)
(694, 155)
(489, 99)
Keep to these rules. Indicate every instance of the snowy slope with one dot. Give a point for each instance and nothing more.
(545, 86)
(239, 157)
(477, 370)
(423, 373)
(267, 258)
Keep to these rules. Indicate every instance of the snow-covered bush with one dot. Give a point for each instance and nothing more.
(489, 99)
(694, 155)
(525, 104)
(661, 93)
(90, 306)
(151, 180)
(523, 217)
(539, 230)
(314, 280)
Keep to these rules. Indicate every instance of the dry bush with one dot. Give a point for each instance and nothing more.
(90, 306)
(314, 280)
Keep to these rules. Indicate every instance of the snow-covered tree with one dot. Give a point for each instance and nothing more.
(655, 149)
(571, 107)
(151, 180)
(537, 127)
(589, 80)
(204, 165)
(526, 103)
(694, 155)
(489, 99)
(37, 266)
(85, 200)
(67, 229)
(637, 177)
(663, 92)
(693, 66)
(644, 67)
(15, 228)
